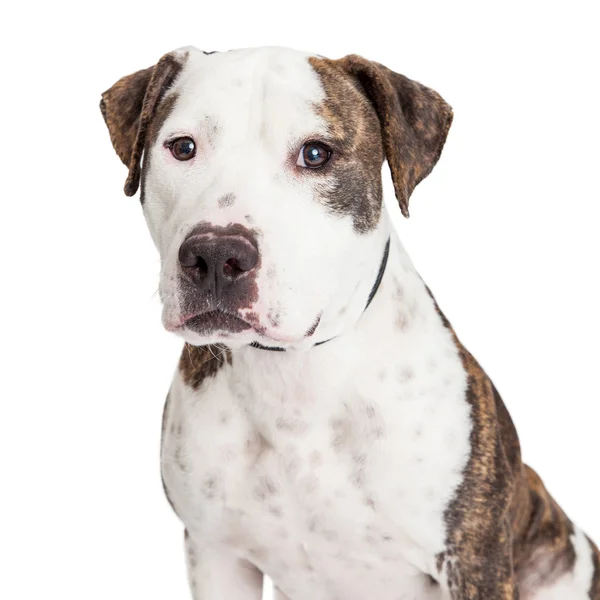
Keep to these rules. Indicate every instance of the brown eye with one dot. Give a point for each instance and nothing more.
(183, 148)
(313, 155)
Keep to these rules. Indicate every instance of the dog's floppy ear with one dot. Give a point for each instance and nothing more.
(129, 106)
(414, 120)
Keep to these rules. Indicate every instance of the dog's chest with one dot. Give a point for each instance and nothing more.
(330, 489)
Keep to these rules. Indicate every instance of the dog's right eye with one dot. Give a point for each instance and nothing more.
(313, 155)
(183, 148)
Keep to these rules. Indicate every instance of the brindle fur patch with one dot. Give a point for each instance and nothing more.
(129, 107)
(197, 363)
(121, 107)
(351, 183)
(501, 511)
(476, 519)
(415, 121)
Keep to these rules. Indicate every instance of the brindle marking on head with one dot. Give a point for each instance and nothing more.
(351, 182)
(501, 504)
(413, 125)
(200, 362)
(415, 121)
(129, 108)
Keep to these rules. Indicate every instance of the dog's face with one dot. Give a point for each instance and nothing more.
(261, 185)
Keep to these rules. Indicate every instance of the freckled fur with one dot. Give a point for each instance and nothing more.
(226, 200)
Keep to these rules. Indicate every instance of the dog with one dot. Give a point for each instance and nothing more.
(325, 426)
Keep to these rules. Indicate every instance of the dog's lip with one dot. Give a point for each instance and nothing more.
(216, 319)
(232, 323)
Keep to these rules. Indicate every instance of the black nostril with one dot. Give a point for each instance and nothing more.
(190, 257)
(232, 268)
(196, 264)
(202, 267)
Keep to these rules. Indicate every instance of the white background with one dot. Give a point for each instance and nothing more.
(505, 232)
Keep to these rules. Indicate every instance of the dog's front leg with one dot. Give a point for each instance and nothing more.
(480, 567)
(216, 574)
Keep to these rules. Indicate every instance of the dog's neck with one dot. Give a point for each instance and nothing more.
(400, 321)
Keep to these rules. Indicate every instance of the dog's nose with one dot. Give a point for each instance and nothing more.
(215, 261)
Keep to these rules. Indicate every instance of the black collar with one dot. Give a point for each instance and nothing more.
(374, 289)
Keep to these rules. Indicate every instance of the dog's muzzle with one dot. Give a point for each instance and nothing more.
(217, 278)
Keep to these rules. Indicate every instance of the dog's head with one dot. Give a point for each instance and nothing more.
(260, 175)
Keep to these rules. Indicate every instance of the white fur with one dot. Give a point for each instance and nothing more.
(289, 504)
(328, 468)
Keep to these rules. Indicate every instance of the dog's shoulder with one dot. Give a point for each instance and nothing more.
(501, 496)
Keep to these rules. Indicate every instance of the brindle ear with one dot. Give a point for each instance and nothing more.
(129, 106)
(414, 120)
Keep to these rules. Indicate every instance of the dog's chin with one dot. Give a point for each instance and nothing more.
(233, 341)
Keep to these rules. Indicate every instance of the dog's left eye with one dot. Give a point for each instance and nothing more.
(183, 148)
(313, 155)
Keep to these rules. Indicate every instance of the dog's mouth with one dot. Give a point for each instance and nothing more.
(225, 325)
(214, 321)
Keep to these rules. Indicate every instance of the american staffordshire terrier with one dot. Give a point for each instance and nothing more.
(325, 426)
